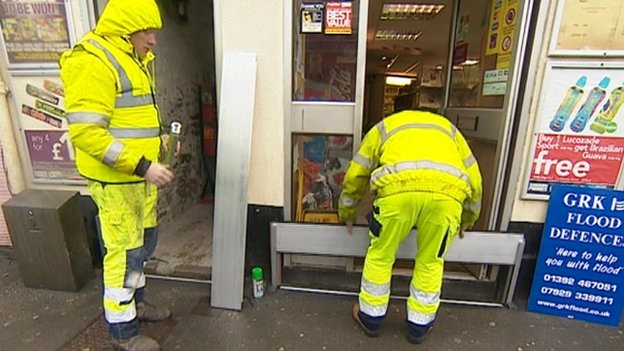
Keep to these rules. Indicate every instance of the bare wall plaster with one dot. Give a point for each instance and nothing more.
(185, 60)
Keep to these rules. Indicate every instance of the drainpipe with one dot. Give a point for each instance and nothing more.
(12, 162)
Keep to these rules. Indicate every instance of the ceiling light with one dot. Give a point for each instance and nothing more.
(410, 11)
(470, 62)
(396, 35)
(400, 81)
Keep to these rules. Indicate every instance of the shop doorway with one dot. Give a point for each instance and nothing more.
(186, 93)
(452, 57)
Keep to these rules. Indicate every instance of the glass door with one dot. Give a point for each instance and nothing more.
(488, 47)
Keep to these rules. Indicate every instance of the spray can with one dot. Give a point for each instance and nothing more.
(567, 106)
(172, 144)
(604, 122)
(596, 95)
(258, 282)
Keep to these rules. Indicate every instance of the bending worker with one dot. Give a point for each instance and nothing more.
(114, 125)
(425, 177)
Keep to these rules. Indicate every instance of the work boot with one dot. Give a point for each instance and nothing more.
(418, 338)
(355, 313)
(150, 313)
(136, 343)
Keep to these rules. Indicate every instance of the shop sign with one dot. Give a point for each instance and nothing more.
(51, 155)
(579, 137)
(494, 27)
(338, 18)
(34, 31)
(588, 28)
(495, 82)
(312, 18)
(40, 101)
(506, 35)
(580, 266)
(460, 53)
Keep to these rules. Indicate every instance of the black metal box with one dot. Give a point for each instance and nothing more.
(49, 239)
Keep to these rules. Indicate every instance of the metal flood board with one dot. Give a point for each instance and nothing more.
(323, 239)
(236, 106)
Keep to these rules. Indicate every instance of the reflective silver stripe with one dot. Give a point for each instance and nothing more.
(469, 161)
(419, 165)
(382, 130)
(129, 100)
(424, 297)
(420, 318)
(373, 311)
(121, 317)
(347, 201)
(126, 99)
(416, 126)
(88, 118)
(363, 161)
(119, 294)
(113, 152)
(375, 289)
(473, 207)
(126, 86)
(134, 133)
(141, 283)
(453, 131)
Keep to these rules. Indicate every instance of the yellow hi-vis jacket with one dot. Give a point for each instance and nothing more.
(414, 151)
(110, 102)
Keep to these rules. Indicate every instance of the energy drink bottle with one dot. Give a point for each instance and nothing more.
(604, 122)
(596, 95)
(567, 106)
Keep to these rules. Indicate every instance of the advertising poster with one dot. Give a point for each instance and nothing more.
(579, 137)
(34, 31)
(320, 163)
(506, 37)
(338, 17)
(330, 68)
(312, 18)
(494, 27)
(40, 101)
(460, 53)
(580, 265)
(589, 26)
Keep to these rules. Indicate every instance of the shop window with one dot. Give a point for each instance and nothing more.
(325, 51)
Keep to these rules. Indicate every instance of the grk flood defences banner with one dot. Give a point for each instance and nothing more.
(580, 266)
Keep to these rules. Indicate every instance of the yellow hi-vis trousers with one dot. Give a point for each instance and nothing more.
(437, 218)
(124, 211)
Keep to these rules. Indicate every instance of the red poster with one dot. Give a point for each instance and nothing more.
(577, 159)
(338, 18)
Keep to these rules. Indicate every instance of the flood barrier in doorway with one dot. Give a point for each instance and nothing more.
(503, 249)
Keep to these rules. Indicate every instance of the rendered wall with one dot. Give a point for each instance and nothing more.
(533, 210)
(257, 26)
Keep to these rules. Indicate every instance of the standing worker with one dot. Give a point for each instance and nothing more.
(115, 126)
(425, 177)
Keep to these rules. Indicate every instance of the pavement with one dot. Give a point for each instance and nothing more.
(46, 320)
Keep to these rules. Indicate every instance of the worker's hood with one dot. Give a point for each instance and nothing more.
(124, 17)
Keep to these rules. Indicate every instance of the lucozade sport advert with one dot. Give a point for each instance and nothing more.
(579, 133)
